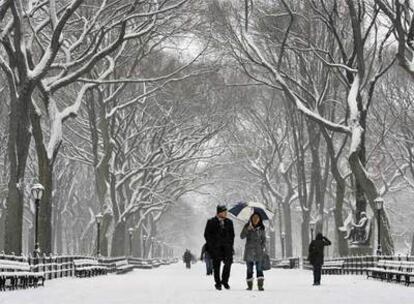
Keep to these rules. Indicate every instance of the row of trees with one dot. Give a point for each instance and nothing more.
(325, 127)
(304, 105)
(106, 112)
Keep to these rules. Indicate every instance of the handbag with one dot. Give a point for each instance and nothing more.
(266, 262)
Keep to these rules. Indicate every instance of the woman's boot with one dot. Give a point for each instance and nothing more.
(260, 282)
(249, 284)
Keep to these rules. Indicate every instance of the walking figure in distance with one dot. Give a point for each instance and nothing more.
(255, 235)
(205, 256)
(219, 235)
(316, 256)
(187, 257)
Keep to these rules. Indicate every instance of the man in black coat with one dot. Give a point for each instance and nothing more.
(219, 235)
(316, 256)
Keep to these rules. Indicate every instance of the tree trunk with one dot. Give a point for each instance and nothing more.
(101, 166)
(18, 149)
(340, 235)
(2, 224)
(288, 228)
(58, 235)
(412, 246)
(45, 171)
(119, 240)
(305, 233)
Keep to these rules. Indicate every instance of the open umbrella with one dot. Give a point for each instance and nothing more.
(243, 210)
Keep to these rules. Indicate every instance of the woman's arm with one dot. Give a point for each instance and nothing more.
(243, 233)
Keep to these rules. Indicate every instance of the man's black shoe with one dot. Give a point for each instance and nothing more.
(218, 286)
(226, 285)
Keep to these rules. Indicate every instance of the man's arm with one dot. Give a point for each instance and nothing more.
(326, 241)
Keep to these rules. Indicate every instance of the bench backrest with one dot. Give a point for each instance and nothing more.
(121, 263)
(85, 262)
(407, 266)
(381, 263)
(12, 266)
(390, 264)
(338, 263)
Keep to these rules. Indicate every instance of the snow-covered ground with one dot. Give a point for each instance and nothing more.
(175, 284)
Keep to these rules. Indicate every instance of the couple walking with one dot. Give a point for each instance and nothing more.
(219, 235)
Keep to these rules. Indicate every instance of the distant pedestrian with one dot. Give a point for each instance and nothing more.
(219, 235)
(187, 257)
(255, 248)
(205, 256)
(316, 256)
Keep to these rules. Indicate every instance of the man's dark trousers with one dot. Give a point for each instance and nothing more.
(226, 270)
(317, 269)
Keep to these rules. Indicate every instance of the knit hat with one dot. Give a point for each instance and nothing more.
(221, 208)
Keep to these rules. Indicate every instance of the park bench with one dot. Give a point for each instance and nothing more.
(285, 264)
(406, 270)
(333, 267)
(383, 269)
(392, 270)
(123, 267)
(88, 268)
(17, 274)
(141, 263)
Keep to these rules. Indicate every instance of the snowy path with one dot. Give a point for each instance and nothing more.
(174, 284)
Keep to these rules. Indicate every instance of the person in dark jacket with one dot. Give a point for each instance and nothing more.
(205, 256)
(316, 256)
(219, 235)
(255, 248)
(187, 257)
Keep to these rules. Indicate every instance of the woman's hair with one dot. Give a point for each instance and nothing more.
(319, 236)
(260, 224)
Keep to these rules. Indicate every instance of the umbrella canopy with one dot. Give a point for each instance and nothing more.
(243, 210)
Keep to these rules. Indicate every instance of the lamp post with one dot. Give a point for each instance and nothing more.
(312, 229)
(283, 235)
(37, 193)
(98, 219)
(144, 246)
(130, 233)
(379, 204)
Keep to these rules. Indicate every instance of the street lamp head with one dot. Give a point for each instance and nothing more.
(379, 203)
(37, 191)
(131, 231)
(283, 234)
(99, 218)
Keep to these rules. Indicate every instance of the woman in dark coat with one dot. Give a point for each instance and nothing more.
(316, 256)
(255, 235)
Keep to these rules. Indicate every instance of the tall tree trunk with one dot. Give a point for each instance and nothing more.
(287, 215)
(45, 171)
(412, 246)
(339, 202)
(119, 240)
(305, 233)
(18, 149)
(101, 165)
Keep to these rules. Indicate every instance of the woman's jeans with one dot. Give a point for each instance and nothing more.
(259, 269)
(209, 265)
